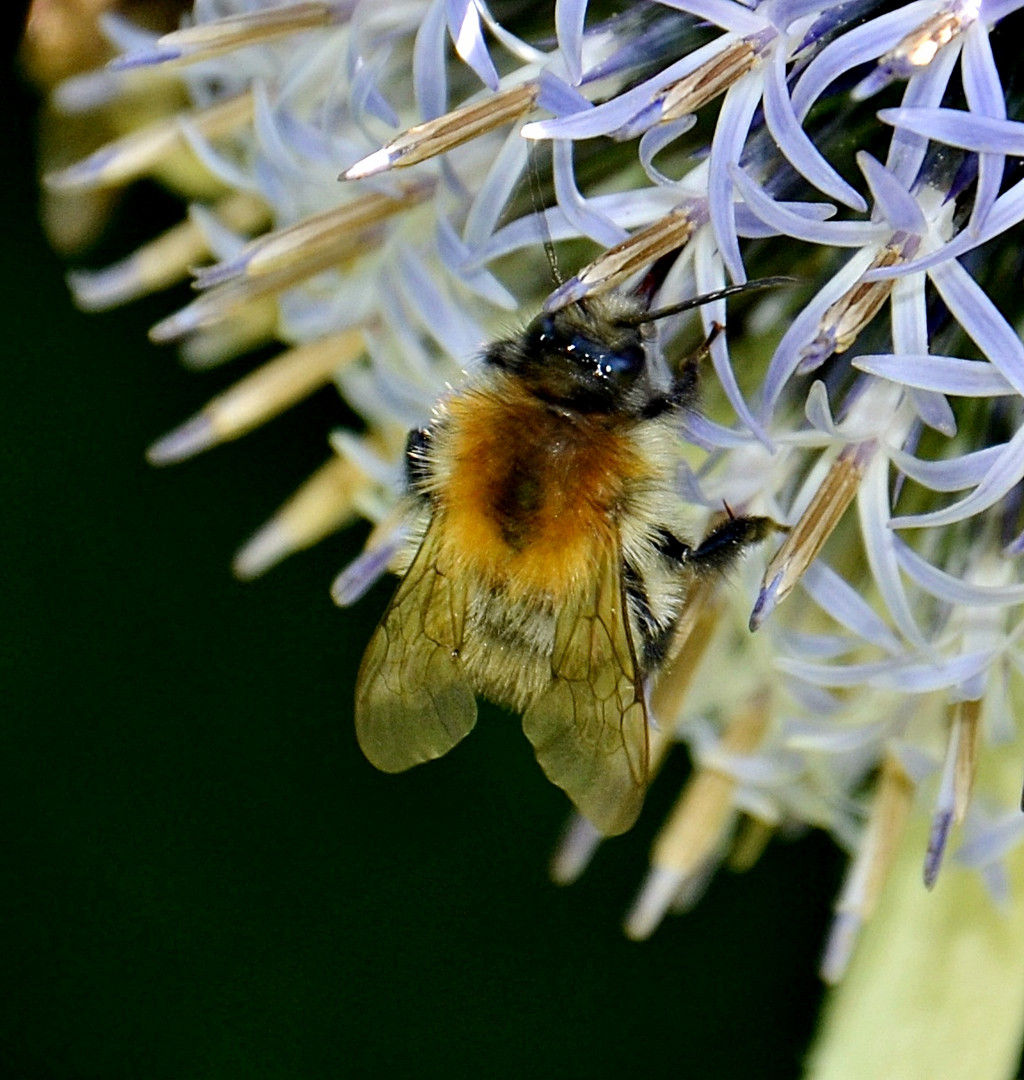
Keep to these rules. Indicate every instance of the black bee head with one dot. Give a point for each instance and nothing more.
(581, 357)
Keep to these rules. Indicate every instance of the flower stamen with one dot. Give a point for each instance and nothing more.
(639, 251)
(712, 78)
(446, 132)
(206, 40)
(167, 259)
(323, 504)
(890, 809)
(956, 785)
(816, 524)
(918, 49)
(844, 319)
(288, 248)
(261, 395)
(141, 152)
(693, 837)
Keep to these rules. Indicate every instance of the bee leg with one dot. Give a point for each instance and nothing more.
(727, 541)
(653, 636)
(686, 386)
(417, 460)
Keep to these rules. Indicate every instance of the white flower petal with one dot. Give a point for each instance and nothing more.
(945, 374)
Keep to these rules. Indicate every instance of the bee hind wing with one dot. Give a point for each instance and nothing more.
(413, 701)
(588, 727)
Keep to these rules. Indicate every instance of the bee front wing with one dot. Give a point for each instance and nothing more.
(413, 700)
(588, 727)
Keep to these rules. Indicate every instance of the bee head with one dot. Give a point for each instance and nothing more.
(587, 357)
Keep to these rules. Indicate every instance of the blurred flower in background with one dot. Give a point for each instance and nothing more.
(864, 677)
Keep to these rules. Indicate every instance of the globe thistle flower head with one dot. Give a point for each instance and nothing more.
(874, 407)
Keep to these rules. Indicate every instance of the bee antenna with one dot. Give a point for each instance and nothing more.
(706, 298)
(536, 196)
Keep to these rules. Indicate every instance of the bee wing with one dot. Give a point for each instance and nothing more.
(589, 725)
(413, 701)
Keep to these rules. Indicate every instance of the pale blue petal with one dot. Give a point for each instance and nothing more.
(570, 15)
(272, 137)
(515, 46)
(655, 140)
(738, 107)
(1006, 472)
(899, 675)
(934, 410)
(954, 127)
(786, 12)
(724, 13)
(880, 549)
(977, 314)
(365, 98)
(803, 329)
(709, 435)
(818, 410)
(794, 142)
(448, 322)
(926, 88)
(838, 14)
(707, 269)
(954, 474)
(842, 602)
(749, 226)
(993, 11)
(224, 166)
(90, 90)
(468, 36)
(456, 257)
(559, 98)
(945, 374)
(815, 737)
(126, 35)
(628, 209)
(856, 47)
(503, 177)
(801, 226)
(429, 68)
(985, 96)
(357, 578)
(1007, 211)
(588, 220)
(611, 115)
(909, 326)
(812, 646)
(993, 842)
(224, 243)
(896, 204)
(953, 589)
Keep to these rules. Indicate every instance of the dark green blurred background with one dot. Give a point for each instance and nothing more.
(201, 876)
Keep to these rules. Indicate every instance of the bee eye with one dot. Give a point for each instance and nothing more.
(623, 365)
(542, 333)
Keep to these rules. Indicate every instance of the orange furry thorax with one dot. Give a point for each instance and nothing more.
(529, 495)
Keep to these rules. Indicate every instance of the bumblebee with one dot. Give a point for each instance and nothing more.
(550, 565)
